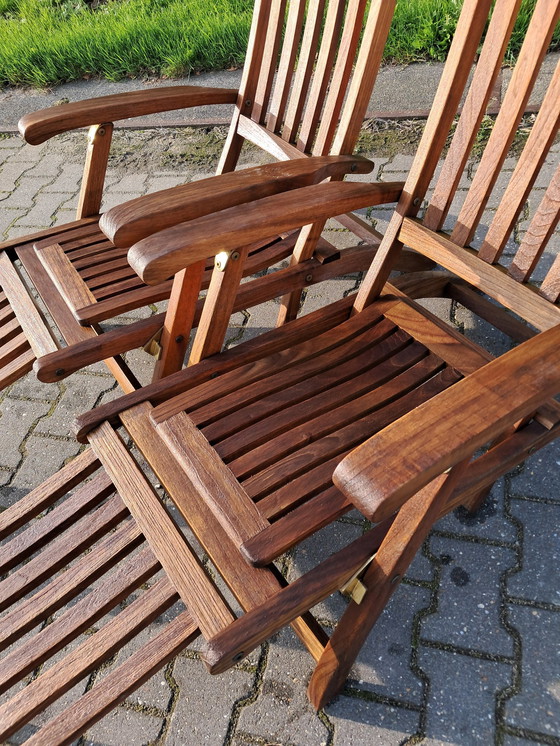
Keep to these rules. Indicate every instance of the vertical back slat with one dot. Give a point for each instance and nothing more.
(528, 166)
(285, 72)
(534, 242)
(322, 74)
(487, 69)
(539, 34)
(453, 80)
(269, 60)
(304, 69)
(340, 77)
(365, 74)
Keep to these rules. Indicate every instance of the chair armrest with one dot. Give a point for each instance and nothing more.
(382, 473)
(162, 255)
(132, 221)
(41, 125)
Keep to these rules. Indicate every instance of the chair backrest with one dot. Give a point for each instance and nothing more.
(308, 77)
(479, 205)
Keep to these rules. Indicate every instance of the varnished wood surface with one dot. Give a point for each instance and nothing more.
(41, 125)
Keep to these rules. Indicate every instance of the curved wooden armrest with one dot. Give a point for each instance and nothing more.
(382, 473)
(162, 255)
(40, 125)
(132, 221)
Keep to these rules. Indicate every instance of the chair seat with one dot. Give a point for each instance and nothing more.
(283, 425)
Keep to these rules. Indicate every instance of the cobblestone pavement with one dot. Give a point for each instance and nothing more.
(467, 651)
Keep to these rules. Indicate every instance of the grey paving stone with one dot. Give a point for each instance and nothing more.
(158, 183)
(455, 680)
(421, 569)
(358, 722)
(41, 214)
(468, 614)
(536, 706)
(140, 728)
(205, 703)
(540, 475)
(68, 181)
(30, 387)
(80, 394)
(490, 521)
(53, 455)
(537, 580)
(383, 665)
(281, 713)
(131, 183)
(25, 193)
(17, 417)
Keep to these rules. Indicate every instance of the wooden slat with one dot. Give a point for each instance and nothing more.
(252, 350)
(16, 368)
(537, 39)
(34, 327)
(536, 238)
(310, 468)
(249, 585)
(295, 526)
(528, 166)
(66, 279)
(341, 75)
(248, 427)
(85, 658)
(173, 551)
(83, 534)
(67, 585)
(268, 60)
(453, 80)
(490, 279)
(48, 492)
(118, 684)
(321, 425)
(304, 70)
(322, 73)
(480, 91)
(211, 478)
(105, 596)
(300, 351)
(39, 532)
(477, 410)
(292, 35)
(78, 226)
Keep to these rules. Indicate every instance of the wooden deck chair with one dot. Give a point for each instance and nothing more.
(370, 403)
(304, 92)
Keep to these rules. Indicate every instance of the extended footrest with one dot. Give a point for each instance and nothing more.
(71, 534)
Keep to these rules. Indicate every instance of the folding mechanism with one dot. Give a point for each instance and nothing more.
(192, 487)
(303, 92)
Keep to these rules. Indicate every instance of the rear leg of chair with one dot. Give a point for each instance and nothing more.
(404, 538)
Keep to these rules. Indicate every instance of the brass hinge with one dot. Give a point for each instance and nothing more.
(355, 588)
(153, 345)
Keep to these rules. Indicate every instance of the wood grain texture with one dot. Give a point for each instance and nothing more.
(95, 167)
(134, 220)
(158, 257)
(41, 125)
(476, 410)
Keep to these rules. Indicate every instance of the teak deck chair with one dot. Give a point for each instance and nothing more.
(304, 92)
(370, 403)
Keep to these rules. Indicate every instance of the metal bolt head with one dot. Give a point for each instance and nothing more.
(234, 256)
(308, 278)
(416, 201)
(238, 657)
(179, 338)
(395, 579)
(59, 372)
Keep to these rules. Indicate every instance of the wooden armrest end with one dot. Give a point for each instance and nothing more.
(39, 126)
(382, 473)
(162, 255)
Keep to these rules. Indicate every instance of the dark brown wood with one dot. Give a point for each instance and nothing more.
(41, 125)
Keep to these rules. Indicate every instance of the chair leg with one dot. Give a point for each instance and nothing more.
(404, 538)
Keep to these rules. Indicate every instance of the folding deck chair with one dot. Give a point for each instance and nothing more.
(371, 403)
(303, 92)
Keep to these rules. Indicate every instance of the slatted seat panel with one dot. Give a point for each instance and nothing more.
(71, 534)
(16, 355)
(283, 427)
(507, 210)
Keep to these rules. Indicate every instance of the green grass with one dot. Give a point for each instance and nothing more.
(43, 42)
